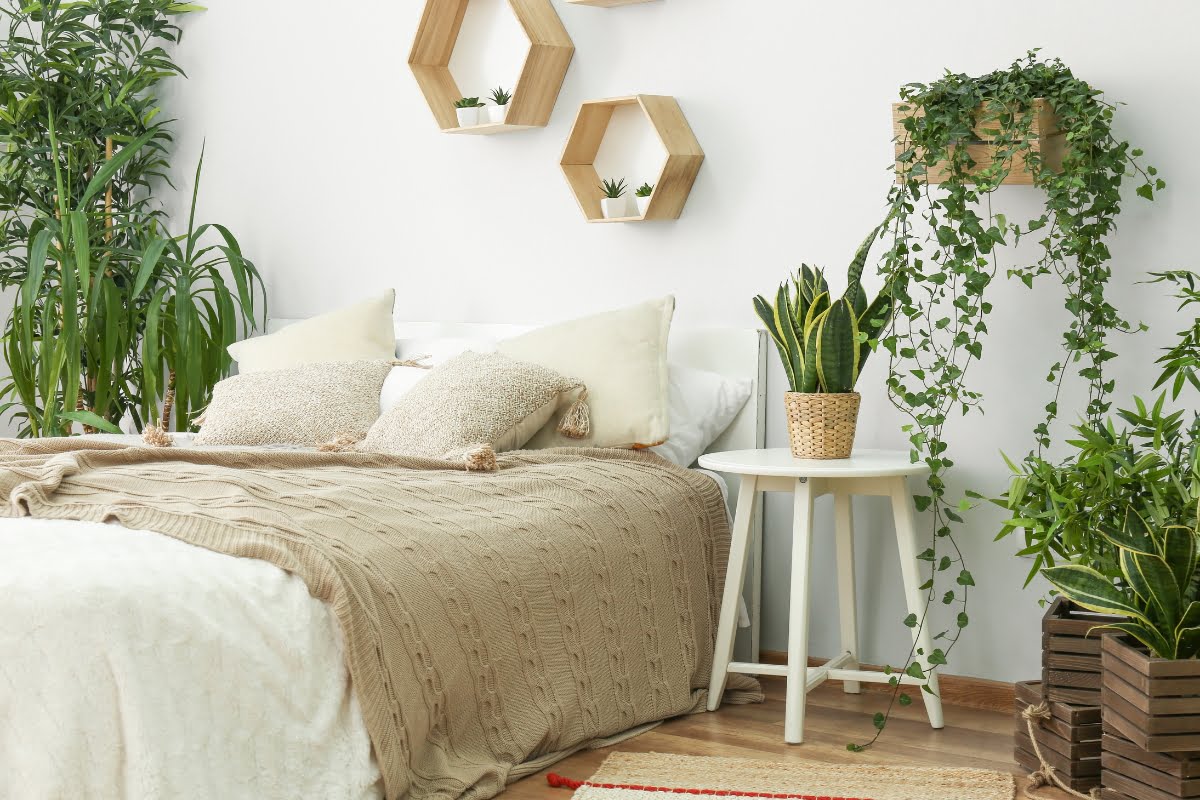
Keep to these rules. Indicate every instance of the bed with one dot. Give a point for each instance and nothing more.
(137, 664)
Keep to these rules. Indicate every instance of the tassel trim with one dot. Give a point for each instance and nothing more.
(342, 444)
(559, 782)
(577, 422)
(155, 436)
(415, 361)
(481, 458)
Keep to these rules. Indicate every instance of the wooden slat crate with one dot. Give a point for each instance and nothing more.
(1152, 702)
(1070, 739)
(1137, 773)
(1047, 140)
(1071, 653)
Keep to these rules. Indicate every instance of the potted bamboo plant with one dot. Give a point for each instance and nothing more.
(824, 344)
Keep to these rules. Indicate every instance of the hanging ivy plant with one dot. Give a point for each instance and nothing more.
(943, 257)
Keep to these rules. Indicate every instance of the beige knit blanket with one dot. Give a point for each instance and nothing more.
(494, 622)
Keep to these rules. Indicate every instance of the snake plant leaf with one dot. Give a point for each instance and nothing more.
(1152, 571)
(1179, 551)
(809, 381)
(1133, 536)
(872, 323)
(1148, 635)
(818, 306)
(855, 271)
(1092, 590)
(837, 348)
(787, 332)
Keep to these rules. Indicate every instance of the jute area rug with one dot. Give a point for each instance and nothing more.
(647, 776)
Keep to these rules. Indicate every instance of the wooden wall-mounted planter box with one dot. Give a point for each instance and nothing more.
(1152, 702)
(1135, 774)
(1070, 739)
(1048, 141)
(1071, 653)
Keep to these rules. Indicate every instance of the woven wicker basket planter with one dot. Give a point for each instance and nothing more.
(1152, 702)
(1071, 653)
(1069, 740)
(822, 425)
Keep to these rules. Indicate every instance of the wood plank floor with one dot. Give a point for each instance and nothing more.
(971, 738)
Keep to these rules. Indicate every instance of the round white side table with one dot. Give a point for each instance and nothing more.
(867, 472)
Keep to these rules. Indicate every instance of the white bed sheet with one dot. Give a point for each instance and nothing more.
(134, 666)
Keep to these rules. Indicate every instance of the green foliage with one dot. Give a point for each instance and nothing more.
(613, 188)
(645, 190)
(80, 230)
(1155, 589)
(943, 257)
(468, 102)
(501, 97)
(823, 343)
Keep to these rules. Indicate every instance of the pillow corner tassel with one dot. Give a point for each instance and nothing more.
(481, 458)
(577, 422)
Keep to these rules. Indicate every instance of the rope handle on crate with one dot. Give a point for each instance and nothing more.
(1047, 775)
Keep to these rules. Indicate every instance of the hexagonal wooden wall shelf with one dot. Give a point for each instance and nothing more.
(533, 97)
(684, 156)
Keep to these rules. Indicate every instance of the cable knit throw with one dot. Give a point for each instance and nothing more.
(494, 621)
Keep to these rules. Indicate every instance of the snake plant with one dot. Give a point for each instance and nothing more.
(823, 342)
(1156, 591)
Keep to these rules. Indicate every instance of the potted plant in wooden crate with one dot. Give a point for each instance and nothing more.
(823, 344)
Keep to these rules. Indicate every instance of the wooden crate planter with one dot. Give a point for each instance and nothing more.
(1069, 740)
(1131, 772)
(1152, 702)
(1047, 140)
(1071, 653)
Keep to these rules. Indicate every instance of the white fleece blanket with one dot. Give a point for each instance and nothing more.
(135, 666)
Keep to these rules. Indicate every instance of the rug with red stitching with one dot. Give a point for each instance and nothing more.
(655, 776)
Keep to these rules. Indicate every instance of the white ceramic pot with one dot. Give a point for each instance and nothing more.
(643, 203)
(497, 113)
(467, 116)
(612, 207)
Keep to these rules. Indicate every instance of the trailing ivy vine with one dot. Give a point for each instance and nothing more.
(943, 257)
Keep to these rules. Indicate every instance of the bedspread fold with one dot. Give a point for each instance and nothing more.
(493, 621)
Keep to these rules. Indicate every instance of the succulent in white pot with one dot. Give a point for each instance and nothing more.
(613, 204)
(499, 111)
(467, 109)
(642, 195)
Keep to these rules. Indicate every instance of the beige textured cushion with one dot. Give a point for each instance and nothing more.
(472, 399)
(309, 405)
(361, 332)
(622, 357)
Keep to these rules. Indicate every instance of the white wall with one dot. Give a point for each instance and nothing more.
(325, 160)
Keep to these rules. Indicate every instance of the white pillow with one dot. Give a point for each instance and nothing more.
(621, 356)
(440, 349)
(703, 404)
(398, 383)
(361, 332)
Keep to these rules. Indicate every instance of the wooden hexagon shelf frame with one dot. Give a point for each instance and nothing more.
(606, 3)
(675, 179)
(536, 90)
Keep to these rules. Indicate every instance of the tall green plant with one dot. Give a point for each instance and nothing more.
(81, 232)
(943, 257)
(824, 343)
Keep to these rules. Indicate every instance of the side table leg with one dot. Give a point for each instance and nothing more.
(847, 594)
(910, 567)
(734, 576)
(797, 669)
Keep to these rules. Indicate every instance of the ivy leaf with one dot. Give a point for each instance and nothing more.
(904, 699)
(965, 579)
(1146, 191)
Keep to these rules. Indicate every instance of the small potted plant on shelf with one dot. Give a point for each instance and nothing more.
(467, 109)
(613, 203)
(642, 194)
(499, 111)
(823, 344)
